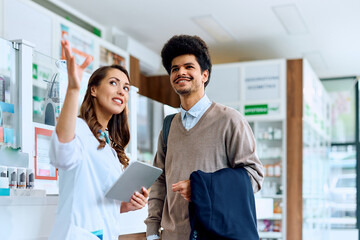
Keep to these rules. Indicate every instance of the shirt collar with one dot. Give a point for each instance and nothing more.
(198, 108)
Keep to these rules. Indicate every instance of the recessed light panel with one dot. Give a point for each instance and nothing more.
(209, 24)
(291, 19)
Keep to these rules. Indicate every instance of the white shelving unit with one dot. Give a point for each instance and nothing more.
(271, 151)
(258, 90)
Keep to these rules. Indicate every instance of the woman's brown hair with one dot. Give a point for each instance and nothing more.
(118, 126)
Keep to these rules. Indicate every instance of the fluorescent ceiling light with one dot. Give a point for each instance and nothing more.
(291, 19)
(213, 28)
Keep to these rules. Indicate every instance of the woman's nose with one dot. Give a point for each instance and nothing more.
(121, 91)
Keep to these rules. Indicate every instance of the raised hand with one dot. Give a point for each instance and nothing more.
(75, 71)
(65, 127)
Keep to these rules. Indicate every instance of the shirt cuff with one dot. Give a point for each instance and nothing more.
(152, 237)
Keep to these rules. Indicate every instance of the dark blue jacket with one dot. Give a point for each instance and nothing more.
(222, 206)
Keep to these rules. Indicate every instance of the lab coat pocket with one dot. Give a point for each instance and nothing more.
(81, 233)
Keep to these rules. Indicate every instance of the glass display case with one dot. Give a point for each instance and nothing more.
(316, 160)
(316, 208)
(271, 200)
(9, 93)
(49, 88)
(46, 88)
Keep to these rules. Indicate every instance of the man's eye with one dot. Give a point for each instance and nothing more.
(174, 69)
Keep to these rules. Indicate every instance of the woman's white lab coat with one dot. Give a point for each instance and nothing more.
(85, 175)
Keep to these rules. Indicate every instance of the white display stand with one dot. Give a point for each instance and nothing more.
(258, 90)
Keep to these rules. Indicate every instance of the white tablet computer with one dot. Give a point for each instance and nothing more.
(135, 176)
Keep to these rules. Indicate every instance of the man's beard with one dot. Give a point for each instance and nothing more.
(183, 92)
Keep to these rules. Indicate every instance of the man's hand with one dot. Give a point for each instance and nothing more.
(183, 187)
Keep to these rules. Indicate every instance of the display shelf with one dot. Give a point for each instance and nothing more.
(272, 196)
(275, 216)
(269, 139)
(271, 158)
(271, 152)
(276, 235)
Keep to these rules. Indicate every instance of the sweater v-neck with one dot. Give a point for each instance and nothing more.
(193, 129)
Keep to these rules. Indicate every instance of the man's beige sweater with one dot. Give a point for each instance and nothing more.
(222, 138)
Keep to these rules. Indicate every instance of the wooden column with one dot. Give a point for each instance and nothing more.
(157, 88)
(294, 205)
(135, 74)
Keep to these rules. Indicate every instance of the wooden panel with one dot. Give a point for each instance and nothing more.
(156, 87)
(159, 88)
(134, 71)
(294, 149)
(137, 236)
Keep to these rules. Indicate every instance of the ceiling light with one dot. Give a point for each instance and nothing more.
(214, 28)
(291, 19)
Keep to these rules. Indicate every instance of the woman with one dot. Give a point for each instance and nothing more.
(89, 160)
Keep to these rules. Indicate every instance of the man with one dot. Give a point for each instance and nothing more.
(205, 136)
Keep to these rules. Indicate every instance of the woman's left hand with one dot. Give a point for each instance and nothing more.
(137, 201)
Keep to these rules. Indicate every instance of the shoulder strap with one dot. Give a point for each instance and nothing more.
(166, 128)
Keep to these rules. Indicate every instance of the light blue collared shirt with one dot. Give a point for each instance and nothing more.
(190, 118)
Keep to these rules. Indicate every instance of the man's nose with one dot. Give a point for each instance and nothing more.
(182, 71)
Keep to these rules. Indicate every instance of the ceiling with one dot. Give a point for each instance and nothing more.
(326, 32)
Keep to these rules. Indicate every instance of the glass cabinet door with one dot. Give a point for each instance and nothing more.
(49, 76)
(9, 111)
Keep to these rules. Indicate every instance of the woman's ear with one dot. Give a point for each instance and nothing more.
(93, 91)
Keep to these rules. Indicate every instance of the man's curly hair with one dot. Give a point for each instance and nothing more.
(185, 44)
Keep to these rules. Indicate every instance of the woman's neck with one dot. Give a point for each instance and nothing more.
(103, 120)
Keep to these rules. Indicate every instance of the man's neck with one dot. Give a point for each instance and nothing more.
(187, 102)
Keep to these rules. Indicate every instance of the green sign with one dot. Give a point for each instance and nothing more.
(256, 109)
(35, 71)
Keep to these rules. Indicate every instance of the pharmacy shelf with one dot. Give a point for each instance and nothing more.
(276, 216)
(272, 196)
(277, 235)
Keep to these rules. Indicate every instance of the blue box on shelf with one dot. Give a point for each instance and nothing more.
(4, 191)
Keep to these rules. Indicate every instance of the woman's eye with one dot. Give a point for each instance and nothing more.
(113, 83)
(127, 89)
